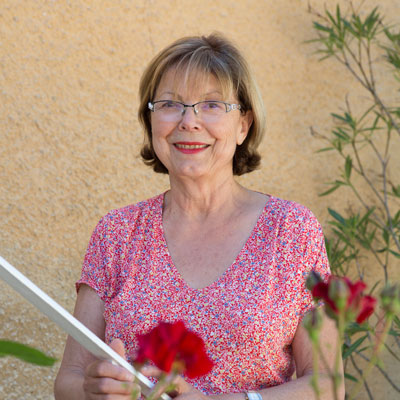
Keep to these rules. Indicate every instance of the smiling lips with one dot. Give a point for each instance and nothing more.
(190, 147)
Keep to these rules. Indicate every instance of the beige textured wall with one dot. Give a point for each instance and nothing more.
(69, 136)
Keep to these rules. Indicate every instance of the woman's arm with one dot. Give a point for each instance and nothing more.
(302, 352)
(81, 375)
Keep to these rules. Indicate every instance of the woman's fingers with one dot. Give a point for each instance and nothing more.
(97, 385)
(100, 369)
(110, 386)
(150, 371)
(105, 380)
(180, 385)
(102, 396)
(118, 346)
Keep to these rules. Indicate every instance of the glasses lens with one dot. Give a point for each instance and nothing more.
(168, 107)
(168, 110)
(212, 107)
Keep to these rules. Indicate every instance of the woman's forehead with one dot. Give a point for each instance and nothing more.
(184, 83)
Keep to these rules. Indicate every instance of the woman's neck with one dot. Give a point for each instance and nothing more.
(200, 199)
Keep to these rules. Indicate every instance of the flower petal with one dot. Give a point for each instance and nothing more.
(368, 304)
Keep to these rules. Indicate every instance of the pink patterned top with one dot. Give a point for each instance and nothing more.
(247, 318)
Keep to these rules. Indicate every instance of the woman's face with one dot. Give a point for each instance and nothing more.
(194, 146)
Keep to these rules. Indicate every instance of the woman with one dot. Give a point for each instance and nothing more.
(230, 262)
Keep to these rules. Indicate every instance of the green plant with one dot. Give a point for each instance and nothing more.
(346, 304)
(25, 353)
(368, 233)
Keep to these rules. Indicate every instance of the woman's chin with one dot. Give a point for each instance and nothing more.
(189, 171)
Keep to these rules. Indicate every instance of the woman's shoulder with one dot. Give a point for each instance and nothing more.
(290, 210)
(131, 215)
(293, 217)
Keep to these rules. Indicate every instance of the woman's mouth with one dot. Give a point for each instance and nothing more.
(190, 148)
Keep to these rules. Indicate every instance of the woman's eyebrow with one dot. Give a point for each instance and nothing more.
(179, 97)
(214, 91)
(168, 92)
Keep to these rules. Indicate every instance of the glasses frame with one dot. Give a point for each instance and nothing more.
(228, 106)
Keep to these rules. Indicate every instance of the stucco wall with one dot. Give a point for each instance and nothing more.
(69, 136)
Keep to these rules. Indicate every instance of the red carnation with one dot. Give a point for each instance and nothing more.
(340, 294)
(171, 346)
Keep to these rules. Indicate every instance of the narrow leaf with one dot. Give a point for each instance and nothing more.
(337, 116)
(25, 353)
(349, 350)
(336, 215)
(332, 189)
(325, 149)
(320, 27)
(385, 235)
(395, 253)
(350, 377)
(353, 327)
(348, 167)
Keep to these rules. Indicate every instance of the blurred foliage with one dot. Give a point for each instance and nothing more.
(369, 231)
(25, 353)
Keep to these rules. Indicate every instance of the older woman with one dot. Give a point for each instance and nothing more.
(230, 262)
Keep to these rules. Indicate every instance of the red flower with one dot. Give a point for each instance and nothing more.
(340, 294)
(368, 304)
(171, 346)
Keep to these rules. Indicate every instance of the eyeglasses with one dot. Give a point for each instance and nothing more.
(209, 110)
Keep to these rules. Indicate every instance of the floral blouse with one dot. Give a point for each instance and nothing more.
(247, 317)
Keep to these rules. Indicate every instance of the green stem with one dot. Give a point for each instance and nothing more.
(374, 359)
(157, 390)
(337, 376)
(314, 378)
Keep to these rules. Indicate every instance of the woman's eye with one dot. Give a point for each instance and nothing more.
(169, 104)
(210, 105)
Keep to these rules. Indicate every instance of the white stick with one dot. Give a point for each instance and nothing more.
(67, 322)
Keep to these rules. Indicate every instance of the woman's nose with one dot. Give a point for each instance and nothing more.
(189, 120)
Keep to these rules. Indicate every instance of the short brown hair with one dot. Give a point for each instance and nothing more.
(215, 55)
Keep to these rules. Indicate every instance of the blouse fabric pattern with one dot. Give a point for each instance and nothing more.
(247, 317)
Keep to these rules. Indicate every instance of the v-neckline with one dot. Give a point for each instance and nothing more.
(229, 269)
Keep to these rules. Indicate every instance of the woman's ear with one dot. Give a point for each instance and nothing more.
(245, 123)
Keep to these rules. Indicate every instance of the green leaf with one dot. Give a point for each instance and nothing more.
(395, 253)
(323, 28)
(396, 218)
(348, 167)
(332, 189)
(341, 134)
(353, 328)
(337, 116)
(396, 190)
(385, 235)
(25, 353)
(331, 18)
(374, 287)
(325, 149)
(350, 377)
(336, 215)
(347, 350)
(367, 215)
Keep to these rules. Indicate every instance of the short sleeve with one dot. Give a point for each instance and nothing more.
(98, 270)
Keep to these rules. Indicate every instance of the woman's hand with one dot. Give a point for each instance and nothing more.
(104, 378)
(182, 390)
